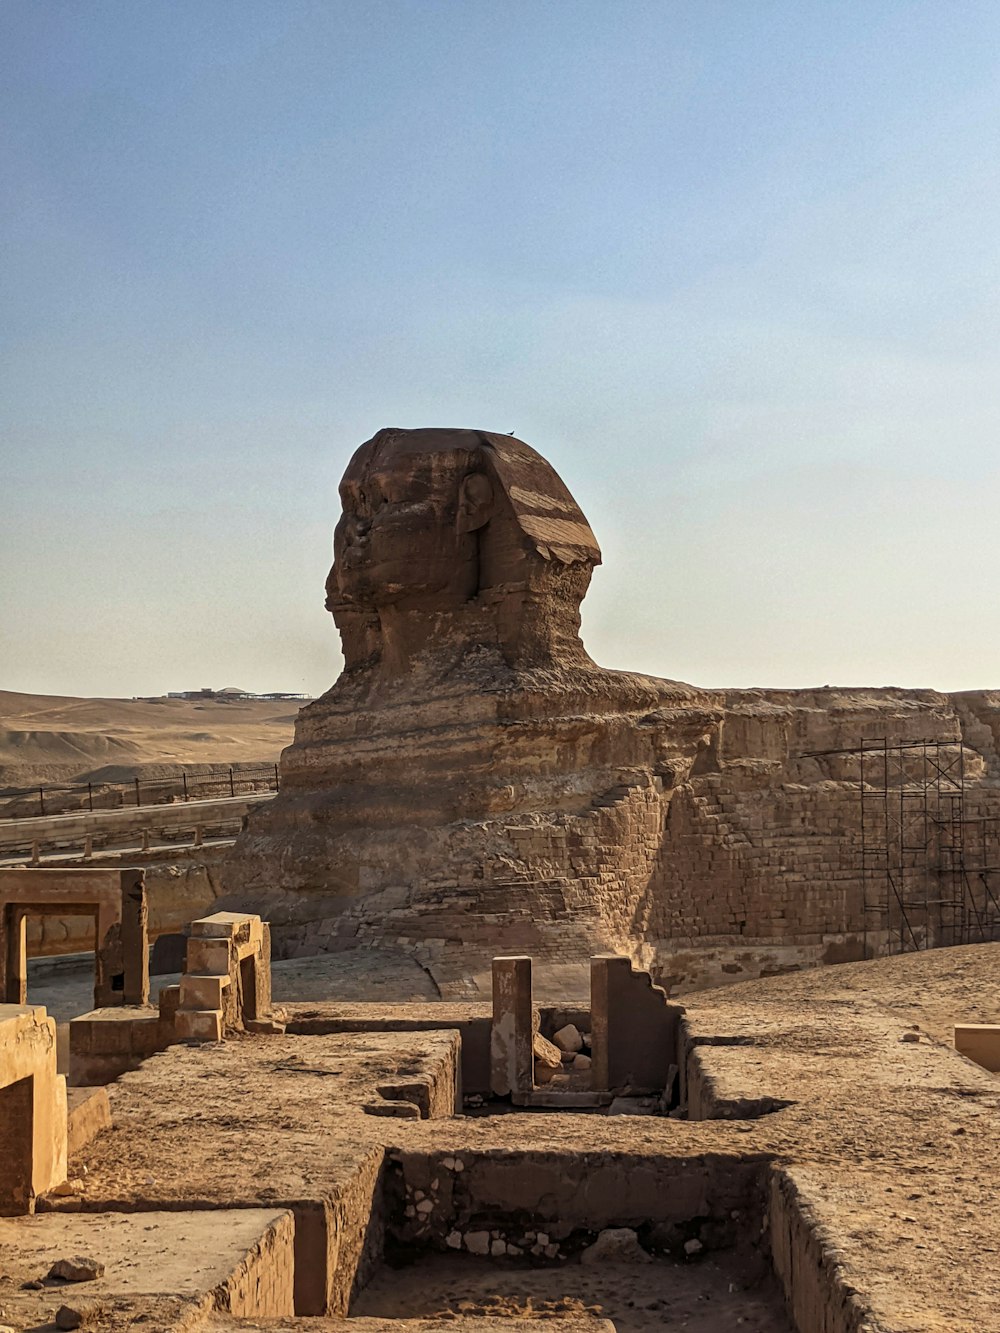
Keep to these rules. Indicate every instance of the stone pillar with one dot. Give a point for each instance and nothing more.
(135, 937)
(262, 974)
(601, 968)
(633, 1027)
(32, 1109)
(512, 1034)
(13, 940)
(107, 956)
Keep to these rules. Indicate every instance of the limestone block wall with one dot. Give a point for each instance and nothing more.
(262, 1285)
(483, 1202)
(713, 841)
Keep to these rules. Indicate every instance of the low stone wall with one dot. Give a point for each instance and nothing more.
(340, 1242)
(106, 1043)
(262, 1285)
(706, 1089)
(464, 1200)
(105, 826)
(804, 1258)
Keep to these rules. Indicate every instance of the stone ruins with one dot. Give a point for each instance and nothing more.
(487, 1026)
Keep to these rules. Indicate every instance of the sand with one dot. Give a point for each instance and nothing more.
(714, 1295)
(51, 738)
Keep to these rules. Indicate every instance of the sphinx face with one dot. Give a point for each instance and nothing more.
(401, 541)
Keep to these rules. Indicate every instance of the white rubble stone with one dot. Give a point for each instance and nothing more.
(477, 1242)
(498, 1247)
(453, 1240)
(425, 1206)
(581, 1061)
(693, 1247)
(542, 1239)
(619, 1245)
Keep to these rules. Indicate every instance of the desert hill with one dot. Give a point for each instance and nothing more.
(52, 738)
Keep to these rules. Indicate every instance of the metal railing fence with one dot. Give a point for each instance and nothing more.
(68, 798)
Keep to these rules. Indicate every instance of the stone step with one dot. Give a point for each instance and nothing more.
(202, 992)
(198, 1025)
(561, 1101)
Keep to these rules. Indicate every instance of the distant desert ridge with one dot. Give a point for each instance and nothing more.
(53, 738)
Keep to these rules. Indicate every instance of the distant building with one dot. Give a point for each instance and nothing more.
(232, 694)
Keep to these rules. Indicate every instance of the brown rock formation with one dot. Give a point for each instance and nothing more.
(467, 705)
(474, 784)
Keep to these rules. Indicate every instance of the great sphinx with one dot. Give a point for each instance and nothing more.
(440, 789)
(474, 784)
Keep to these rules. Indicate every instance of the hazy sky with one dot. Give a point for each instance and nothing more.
(733, 267)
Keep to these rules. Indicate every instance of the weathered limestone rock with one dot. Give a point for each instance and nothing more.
(474, 783)
(617, 1245)
(77, 1269)
(546, 1053)
(74, 1316)
(420, 791)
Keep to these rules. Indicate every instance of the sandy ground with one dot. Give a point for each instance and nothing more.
(49, 738)
(711, 1296)
(160, 1269)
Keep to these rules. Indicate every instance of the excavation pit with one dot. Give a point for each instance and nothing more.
(509, 1235)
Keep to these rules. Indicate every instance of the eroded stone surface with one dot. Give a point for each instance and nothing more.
(474, 784)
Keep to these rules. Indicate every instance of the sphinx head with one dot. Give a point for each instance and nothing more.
(439, 529)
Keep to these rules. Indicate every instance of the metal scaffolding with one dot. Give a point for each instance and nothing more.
(930, 874)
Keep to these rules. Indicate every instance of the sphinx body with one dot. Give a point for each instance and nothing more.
(474, 784)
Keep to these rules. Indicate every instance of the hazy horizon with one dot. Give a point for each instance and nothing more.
(732, 269)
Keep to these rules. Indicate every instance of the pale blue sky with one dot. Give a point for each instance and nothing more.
(733, 267)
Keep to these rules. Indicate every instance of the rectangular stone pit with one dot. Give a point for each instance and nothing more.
(501, 1234)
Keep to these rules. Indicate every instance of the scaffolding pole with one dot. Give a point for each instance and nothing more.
(930, 874)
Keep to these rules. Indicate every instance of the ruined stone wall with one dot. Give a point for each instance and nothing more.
(262, 1285)
(181, 884)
